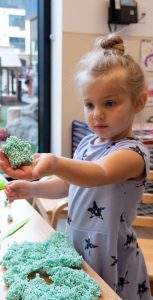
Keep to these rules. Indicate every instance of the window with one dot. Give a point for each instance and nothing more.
(17, 21)
(30, 102)
(18, 43)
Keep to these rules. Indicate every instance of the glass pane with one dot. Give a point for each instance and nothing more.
(17, 21)
(19, 70)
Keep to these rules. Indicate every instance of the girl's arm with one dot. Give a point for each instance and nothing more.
(115, 167)
(52, 188)
(118, 166)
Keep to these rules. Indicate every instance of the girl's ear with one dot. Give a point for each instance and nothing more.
(141, 101)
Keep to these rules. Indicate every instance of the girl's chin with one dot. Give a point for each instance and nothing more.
(103, 138)
(103, 135)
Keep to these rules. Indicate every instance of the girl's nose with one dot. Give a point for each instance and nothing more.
(98, 114)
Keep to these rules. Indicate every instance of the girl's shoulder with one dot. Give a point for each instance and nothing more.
(131, 143)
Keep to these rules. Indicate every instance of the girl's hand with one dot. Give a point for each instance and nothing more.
(44, 165)
(18, 189)
(24, 172)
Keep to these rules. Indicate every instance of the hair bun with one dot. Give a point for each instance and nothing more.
(114, 43)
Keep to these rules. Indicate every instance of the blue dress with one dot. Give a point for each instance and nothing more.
(100, 218)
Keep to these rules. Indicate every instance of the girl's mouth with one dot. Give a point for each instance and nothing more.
(101, 126)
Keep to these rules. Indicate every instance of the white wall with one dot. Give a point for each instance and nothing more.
(91, 16)
(85, 16)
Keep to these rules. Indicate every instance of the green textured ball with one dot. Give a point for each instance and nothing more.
(19, 152)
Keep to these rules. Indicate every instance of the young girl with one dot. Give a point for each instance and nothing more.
(106, 177)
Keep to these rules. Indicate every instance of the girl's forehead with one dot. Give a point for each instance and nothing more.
(109, 82)
(115, 77)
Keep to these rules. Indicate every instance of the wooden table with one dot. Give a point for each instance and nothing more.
(36, 230)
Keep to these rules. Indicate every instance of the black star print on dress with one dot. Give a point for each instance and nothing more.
(115, 260)
(142, 288)
(122, 219)
(122, 282)
(84, 155)
(142, 183)
(96, 211)
(130, 239)
(137, 249)
(138, 150)
(89, 245)
(112, 144)
(69, 220)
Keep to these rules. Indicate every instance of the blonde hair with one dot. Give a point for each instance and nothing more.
(108, 56)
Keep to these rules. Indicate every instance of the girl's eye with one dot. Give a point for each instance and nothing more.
(110, 103)
(89, 105)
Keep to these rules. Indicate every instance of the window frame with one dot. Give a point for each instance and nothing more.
(44, 75)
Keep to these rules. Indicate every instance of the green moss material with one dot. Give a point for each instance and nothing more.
(19, 152)
(67, 284)
(58, 260)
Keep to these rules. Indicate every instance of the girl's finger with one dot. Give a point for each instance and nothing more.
(36, 155)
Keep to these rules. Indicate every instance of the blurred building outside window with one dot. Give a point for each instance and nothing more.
(18, 51)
